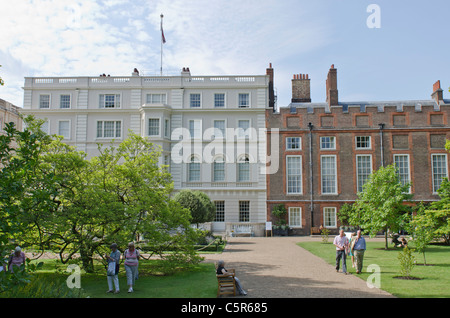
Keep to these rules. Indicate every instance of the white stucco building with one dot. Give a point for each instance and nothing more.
(210, 128)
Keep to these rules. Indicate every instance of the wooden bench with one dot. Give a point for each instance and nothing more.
(226, 284)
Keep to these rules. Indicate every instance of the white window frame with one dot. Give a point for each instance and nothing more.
(300, 176)
(70, 128)
(332, 210)
(70, 101)
(220, 213)
(241, 133)
(162, 97)
(166, 128)
(194, 160)
(244, 214)
(48, 126)
(244, 159)
(363, 148)
(224, 132)
(289, 142)
(322, 174)
(292, 218)
(117, 101)
(239, 100)
(190, 100)
(361, 176)
(398, 168)
(433, 177)
(49, 101)
(328, 142)
(219, 160)
(159, 127)
(199, 129)
(115, 128)
(224, 100)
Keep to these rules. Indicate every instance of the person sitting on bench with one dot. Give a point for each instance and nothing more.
(222, 271)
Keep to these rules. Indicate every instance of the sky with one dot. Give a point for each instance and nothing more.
(399, 59)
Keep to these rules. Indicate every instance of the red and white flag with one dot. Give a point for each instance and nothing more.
(163, 38)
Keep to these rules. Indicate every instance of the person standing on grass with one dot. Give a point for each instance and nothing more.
(341, 243)
(359, 248)
(114, 257)
(16, 259)
(131, 256)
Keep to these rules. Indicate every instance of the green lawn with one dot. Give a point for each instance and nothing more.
(434, 280)
(197, 282)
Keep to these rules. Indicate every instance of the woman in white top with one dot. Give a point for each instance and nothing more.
(131, 263)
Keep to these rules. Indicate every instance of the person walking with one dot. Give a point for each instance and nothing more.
(351, 243)
(113, 278)
(131, 263)
(358, 249)
(341, 243)
(16, 259)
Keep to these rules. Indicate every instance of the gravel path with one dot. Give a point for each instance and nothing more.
(275, 267)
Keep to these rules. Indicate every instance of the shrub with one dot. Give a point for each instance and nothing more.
(407, 261)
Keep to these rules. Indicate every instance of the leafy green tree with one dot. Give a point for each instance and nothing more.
(380, 206)
(198, 203)
(422, 229)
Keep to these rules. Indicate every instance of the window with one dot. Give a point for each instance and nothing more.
(244, 100)
(109, 129)
(219, 170)
(403, 172)
(328, 143)
(156, 98)
(244, 169)
(194, 170)
(195, 128)
(167, 128)
(295, 217)
(153, 126)
(243, 128)
(46, 127)
(439, 169)
(220, 211)
(195, 100)
(64, 129)
(329, 216)
(294, 174)
(219, 100)
(329, 178)
(363, 142)
(109, 101)
(219, 128)
(293, 143)
(44, 101)
(64, 101)
(244, 211)
(363, 170)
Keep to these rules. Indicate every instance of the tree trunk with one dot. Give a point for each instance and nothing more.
(87, 260)
(385, 240)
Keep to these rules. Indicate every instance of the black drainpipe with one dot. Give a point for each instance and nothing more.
(381, 144)
(311, 191)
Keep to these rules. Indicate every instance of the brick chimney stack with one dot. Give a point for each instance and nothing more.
(331, 84)
(438, 93)
(269, 71)
(301, 89)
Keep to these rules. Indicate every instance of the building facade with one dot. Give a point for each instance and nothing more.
(9, 113)
(211, 130)
(328, 150)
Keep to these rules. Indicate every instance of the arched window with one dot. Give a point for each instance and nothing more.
(194, 169)
(219, 169)
(243, 169)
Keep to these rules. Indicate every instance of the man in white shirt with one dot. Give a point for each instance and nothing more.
(341, 243)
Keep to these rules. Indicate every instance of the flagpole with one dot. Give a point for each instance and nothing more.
(162, 16)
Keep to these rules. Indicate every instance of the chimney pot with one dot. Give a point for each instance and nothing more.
(301, 89)
(438, 93)
(331, 87)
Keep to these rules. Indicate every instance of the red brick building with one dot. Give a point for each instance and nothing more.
(328, 150)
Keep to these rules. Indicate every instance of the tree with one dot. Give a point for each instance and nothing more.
(380, 206)
(422, 229)
(198, 203)
(78, 206)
